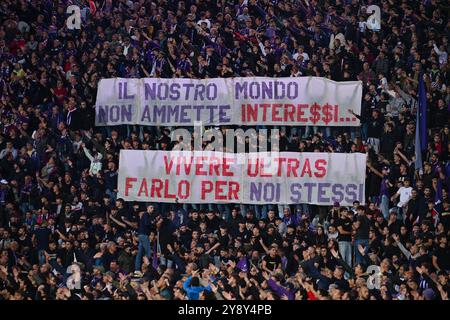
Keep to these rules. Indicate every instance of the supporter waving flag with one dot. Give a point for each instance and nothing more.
(92, 7)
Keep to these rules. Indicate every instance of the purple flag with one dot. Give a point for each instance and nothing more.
(422, 114)
(155, 256)
(243, 264)
(438, 196)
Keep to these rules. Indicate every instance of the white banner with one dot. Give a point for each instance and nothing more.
(256, 178)
(242, 101)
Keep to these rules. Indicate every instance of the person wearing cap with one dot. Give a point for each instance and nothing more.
(429, 294)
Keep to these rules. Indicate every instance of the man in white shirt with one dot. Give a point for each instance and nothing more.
(336, 35)
(404, 192)
(443, 55)
(204, 19)
(301, 52)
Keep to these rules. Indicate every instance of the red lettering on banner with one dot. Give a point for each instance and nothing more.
(214, 167)
(249, 168)
(306, 168)
(179, 160)
(199, 166)
(168, 195)
(289, 111)
(264, 106)
(301, 113)
(128, 184)
(292, 167)
(180, 189)
(168, 166)
(207, 187)
(252, 112)
(226, 167)
(261, 170)
(280, 165)
(188, 164)
(219, 195)
(322, 169)
(233, 191)
(223, 190)
(157, 186)
(204, 166)
(143, 188)
(275, 116)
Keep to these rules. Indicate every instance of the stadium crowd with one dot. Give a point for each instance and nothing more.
(64, 234)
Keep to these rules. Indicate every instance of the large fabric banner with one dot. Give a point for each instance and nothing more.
(220, 101)
(255, 178)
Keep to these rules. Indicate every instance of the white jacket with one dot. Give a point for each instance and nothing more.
(339, 36)
(96, 162)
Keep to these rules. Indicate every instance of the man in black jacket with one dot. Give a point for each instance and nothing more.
(73, 117)
(85, 255)
(416, 208)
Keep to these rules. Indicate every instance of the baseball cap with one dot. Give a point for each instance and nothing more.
(429, 294)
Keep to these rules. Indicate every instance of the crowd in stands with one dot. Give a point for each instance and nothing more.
(66, 235)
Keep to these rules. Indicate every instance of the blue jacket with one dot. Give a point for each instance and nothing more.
(193, 293)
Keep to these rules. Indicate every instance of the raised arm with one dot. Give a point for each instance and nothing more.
(87, 153)
(402, 247)
(372, 169)
(401, 155)
(120, 223)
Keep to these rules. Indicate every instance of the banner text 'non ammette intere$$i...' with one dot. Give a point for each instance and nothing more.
(311, 101)
(254, 178)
